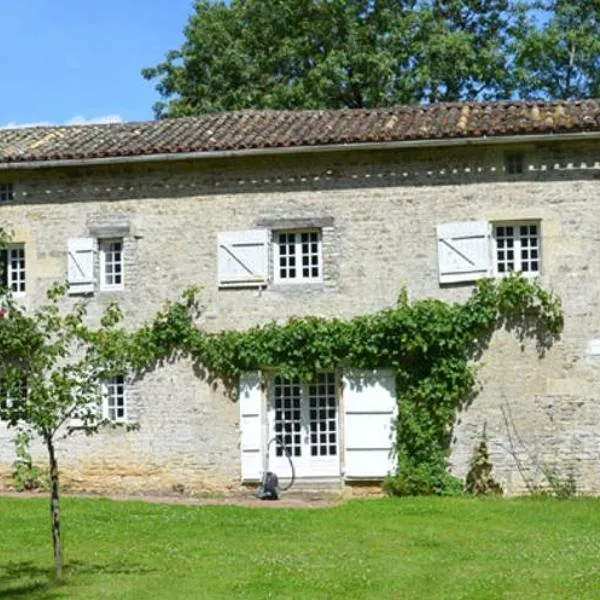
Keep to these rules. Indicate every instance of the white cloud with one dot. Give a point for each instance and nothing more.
(77, 120)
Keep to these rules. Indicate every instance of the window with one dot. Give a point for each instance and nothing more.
(279, 251)
(297, 256)
(6, 192)
(287, 395)
(472, 250)
(12, 267)
(82, 267)
(322, 419)
(115, 399)
(514, 163)
(300, 409)
(517, 248)
(111, 264)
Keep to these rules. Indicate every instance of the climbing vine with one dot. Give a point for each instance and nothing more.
(429, 343)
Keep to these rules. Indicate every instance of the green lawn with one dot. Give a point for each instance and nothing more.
(392, 548)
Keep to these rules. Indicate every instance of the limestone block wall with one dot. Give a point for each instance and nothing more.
(381, 210)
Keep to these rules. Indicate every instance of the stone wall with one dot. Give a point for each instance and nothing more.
(384, 207)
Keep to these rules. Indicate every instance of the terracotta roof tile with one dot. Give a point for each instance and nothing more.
(281, 129)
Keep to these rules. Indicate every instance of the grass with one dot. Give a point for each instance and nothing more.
(391, 548)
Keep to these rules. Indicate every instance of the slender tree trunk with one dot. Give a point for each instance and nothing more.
(55, 508)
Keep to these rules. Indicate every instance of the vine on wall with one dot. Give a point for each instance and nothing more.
(431, 344)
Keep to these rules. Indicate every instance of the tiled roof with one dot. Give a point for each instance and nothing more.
(247, 130)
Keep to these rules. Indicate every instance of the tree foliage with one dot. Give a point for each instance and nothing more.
(479, 480)
(51, 371)
(464, 52)
(287, 54)
(561, 58)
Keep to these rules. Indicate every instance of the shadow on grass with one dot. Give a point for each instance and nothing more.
(26, 580)
(76, 567)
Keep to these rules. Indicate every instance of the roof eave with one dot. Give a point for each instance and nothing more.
(405, 144)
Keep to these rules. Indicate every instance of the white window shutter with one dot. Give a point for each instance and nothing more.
(463, 251)
(243, 258)
(370, 412)
(81, 265)
(251, 411)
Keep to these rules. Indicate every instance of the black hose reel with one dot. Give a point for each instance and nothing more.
(269, 488)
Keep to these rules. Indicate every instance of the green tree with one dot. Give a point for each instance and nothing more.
(290, 54)
(333, 54)
(51, 371)
(560, 58)
(465, 49)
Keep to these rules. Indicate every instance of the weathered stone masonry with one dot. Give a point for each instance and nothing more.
(379, 211)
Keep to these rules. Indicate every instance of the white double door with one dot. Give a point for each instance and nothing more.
(303, 421)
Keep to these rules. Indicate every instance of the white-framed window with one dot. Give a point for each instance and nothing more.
(111, 264)
(6, 192)
(297, 256)
(12, 267)
(517, 248)
(115, 399)
(305, 416)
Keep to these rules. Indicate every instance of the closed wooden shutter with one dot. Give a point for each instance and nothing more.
(463, 251)
(370, 411)
(251, 410)
(243, 258)
(81, 265)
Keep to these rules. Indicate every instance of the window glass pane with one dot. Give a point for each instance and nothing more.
(287, 394)
(306, 246)
(115, 400)
(12, 264)
(111, 263)
(517, 248)
(323, 415)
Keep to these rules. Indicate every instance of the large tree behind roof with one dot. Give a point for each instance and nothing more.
(334, 54)
(466, 49)
(288, 54)
(559, 56)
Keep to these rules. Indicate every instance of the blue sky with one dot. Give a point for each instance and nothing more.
(65, 61)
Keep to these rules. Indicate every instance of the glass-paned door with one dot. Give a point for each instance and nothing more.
(305, 418)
